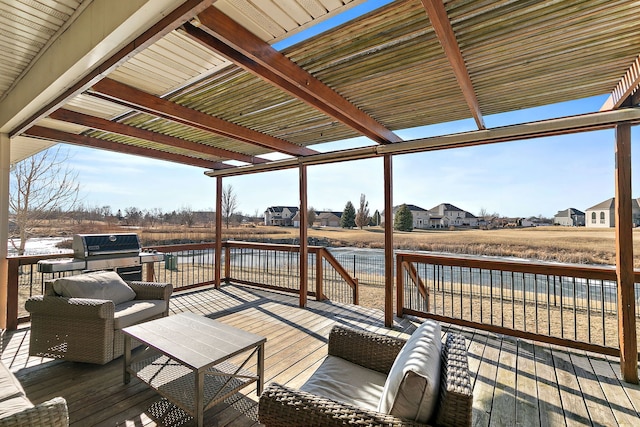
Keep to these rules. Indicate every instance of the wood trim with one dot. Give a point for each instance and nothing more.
(304, 258)
(88, 141)
(12, 293)
(388, 241)
(629, 83)
(442, 27)
(624, 256)
(218, 243)
(239, 45)
(142, 101)
(566, 125)
(147, 135)
(173, 20)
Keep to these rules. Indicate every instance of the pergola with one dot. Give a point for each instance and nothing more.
(200, 83)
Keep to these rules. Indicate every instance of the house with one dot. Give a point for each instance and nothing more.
(328, 219)
(603, 214)
(570, 218)
(442, 216)
(420, 216)
(280, 215)
(446, 215)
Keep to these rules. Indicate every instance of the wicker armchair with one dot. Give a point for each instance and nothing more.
(287, 407)
(87, 329)
(16, 410)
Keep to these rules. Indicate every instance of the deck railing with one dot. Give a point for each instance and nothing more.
(569, 305)
(278, 267)
(193, 265)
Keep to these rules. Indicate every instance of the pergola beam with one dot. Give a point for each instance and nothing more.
(544, 128)
(442, 27)
(142, 101)
(629, 83)
(88, 141)
(147, 135)
(217, 31)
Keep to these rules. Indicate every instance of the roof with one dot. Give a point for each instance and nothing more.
(446, 207)
(412, 208)
(282, 208)
(198, 84)
(569, 212)
(610, 204)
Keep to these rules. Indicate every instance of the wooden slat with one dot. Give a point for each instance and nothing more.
(142, 101)
(134, 132)
(625, 87)
(241, 46)
(87, 141)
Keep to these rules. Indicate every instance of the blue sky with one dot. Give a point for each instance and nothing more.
(524, 178)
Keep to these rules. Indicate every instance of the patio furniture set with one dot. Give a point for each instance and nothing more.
(366, 378)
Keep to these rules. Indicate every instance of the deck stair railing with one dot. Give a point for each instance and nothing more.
(569, 305)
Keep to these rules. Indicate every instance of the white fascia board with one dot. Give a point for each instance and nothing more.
(103, 28)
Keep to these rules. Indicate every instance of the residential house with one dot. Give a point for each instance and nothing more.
(570, 218)
(328, 219)
(446, 215)
(280, 215)
(420, 216)
(603, 214)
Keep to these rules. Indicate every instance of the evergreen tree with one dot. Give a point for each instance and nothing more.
(403, 220)
(375, 219)
(348, 219)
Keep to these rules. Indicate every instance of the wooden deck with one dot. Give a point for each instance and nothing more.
(515, 381)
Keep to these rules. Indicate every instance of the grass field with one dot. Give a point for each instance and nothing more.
(561, 244)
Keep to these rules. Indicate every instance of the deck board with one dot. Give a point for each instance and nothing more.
(515, 381)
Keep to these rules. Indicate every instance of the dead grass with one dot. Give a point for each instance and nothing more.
(560, 244)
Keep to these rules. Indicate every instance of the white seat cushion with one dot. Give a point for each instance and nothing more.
(137, 311)
(412, 387)
(107, 285)
(10, 387)
(14, 405)
(346, 382)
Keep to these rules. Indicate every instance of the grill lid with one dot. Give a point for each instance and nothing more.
(91, 245)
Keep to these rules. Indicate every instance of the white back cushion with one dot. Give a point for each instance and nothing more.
(98, 285)
(412, 386)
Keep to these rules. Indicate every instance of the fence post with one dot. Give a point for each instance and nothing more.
(12, 293)
(399, 286)
(227, 264)
(319, 275)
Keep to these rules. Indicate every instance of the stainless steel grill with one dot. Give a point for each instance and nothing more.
(102, 252)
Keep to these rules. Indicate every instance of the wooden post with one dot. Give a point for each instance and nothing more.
(218, 248)
(624, 256)
(5, 145)
(304, 250)
(319, 274)
(388, 241)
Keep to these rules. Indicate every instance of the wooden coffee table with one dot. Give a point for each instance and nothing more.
(186, 360)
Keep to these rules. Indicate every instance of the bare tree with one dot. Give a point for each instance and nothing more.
(40, 185)
(311, 216)
(229, 203)
(362, 215)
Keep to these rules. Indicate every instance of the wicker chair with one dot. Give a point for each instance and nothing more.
(287, 407)
(87, 329)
